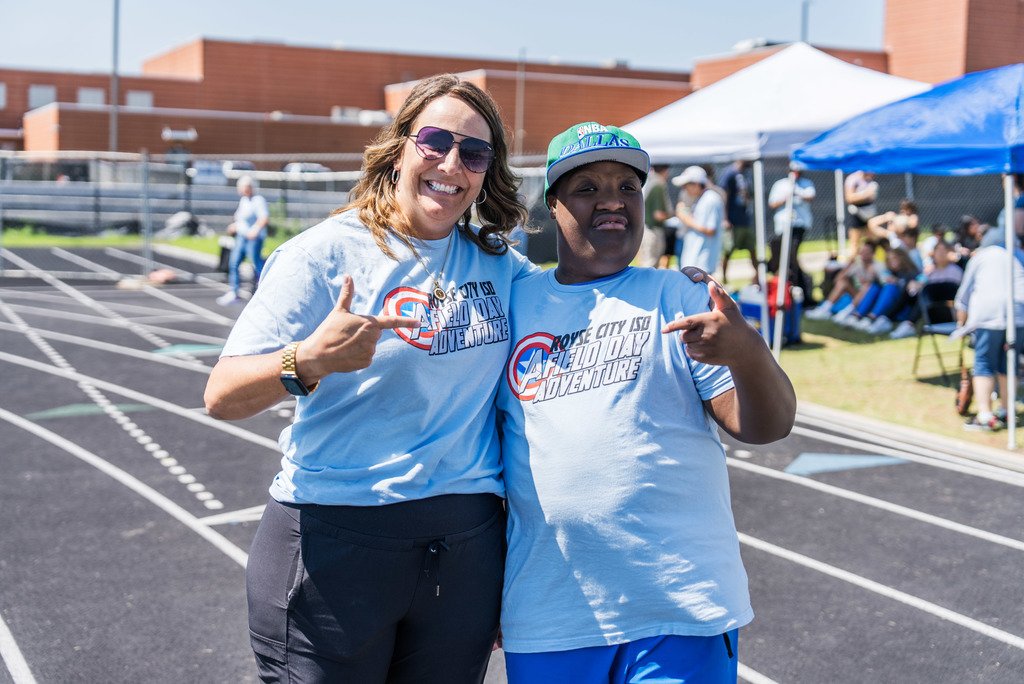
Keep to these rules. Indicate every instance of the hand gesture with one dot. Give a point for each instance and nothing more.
(231, 230)
(344, 341)
(720, 336)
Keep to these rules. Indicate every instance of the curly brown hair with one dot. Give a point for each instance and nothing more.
(374, 194)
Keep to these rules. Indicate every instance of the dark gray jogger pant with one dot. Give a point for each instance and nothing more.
(407, 592)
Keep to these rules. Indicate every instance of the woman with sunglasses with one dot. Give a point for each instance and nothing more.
(380, 554)
(623, 559)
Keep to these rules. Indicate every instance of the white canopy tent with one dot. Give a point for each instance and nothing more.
(767, 108)
(764, 111)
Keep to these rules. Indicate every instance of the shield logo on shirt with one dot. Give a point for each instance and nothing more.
(528, 366)
(406, 301)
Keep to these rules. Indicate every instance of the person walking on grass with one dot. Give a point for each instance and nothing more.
(981, 308)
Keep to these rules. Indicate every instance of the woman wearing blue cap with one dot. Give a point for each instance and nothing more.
(623, 554)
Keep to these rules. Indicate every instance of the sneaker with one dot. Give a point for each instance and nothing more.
(229, 298)
(843, 315)
(881, 326)
(990, 425)
(863, 324)
(851, 321)
(821, 312)
(904, 329)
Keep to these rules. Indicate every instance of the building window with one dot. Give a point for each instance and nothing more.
(3, 96)
(41, 95)
(91, 96)
(139, 98)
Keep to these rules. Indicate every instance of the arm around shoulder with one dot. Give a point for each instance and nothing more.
(761, 406)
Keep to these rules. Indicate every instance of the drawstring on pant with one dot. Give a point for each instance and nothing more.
(433, 558)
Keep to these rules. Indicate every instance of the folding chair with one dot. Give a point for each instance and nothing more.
(938, 317)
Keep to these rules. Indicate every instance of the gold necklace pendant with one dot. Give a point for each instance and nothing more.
(439, 293)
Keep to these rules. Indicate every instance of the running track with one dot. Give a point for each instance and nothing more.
(128, 513)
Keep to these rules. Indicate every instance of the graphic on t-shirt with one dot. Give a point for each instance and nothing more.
(545, 366)
(471, 316)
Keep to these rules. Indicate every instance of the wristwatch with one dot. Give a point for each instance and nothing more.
(290, 376)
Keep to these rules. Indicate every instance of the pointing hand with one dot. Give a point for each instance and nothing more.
(720, 336)
(344, 341)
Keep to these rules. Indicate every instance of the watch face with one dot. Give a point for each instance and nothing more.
(294, 385)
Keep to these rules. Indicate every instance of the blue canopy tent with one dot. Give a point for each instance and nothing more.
(967, 126)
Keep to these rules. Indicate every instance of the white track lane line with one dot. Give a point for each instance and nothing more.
(112, 348)
(752, 676)
(115, 323)
(885, 591)
(195, 277)
(114, 412)
(243, 515)
(12, 657)
(181, 411)
(990, 472)
(145, 491)
(93, 304)
(184, 304)
(921, 516)
(35, 297)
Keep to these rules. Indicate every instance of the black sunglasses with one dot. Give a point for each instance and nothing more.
(435, 143)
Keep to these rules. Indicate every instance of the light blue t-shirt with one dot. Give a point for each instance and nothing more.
(620, 523)
(420, 420)
(702, 250)
(802, 215)
(249, 211)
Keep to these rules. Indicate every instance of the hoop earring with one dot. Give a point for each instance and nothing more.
(482, 197)
(395, 175)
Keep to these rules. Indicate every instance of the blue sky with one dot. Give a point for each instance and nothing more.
(75, 35)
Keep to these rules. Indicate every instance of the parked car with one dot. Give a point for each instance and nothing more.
(305, 167)
(237, 166)
(213, 172)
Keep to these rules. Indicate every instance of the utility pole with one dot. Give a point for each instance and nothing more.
(520, 103)
(805, 7)
(113, 80)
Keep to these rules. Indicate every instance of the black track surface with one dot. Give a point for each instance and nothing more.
(97, 583)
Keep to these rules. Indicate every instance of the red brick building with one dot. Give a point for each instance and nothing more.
(262, 98)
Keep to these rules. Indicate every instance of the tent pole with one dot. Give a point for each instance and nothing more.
(840, 219)
(759, 232)
(783, 274)
(1011, 324)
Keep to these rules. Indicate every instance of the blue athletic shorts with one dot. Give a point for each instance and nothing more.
(989, 355)
(663, 659)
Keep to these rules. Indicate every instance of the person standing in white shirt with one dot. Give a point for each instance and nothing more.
(803, 194)
(250, 230)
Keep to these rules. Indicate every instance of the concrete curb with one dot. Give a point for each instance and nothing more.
(1001, 458)
(185, 254)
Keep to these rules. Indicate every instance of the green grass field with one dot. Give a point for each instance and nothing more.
(26, 237)
(871, 376)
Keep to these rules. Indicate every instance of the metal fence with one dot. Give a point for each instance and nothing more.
(90, 195)
(93, 193)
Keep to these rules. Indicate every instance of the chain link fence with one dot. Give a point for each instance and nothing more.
(95, 193)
